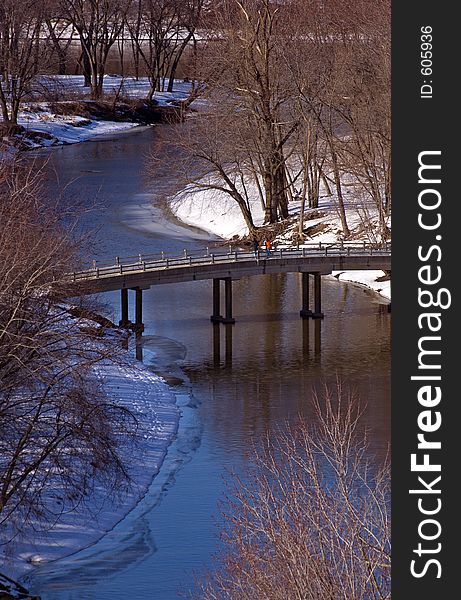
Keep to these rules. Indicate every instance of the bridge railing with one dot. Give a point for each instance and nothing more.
(160, 261)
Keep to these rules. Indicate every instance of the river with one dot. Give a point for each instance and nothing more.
(232, 382)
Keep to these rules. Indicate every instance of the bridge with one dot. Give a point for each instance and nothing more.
(311, 260)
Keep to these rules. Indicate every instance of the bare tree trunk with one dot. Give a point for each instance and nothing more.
(339, 193)
(326, 183)
(4, 106)
(176, 60)
(60, 51)
(152, 90)
(86, 68)
(121, 51)
(270, 215)
(14, 113)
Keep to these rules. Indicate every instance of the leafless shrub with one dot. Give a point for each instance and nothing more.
(310, 520)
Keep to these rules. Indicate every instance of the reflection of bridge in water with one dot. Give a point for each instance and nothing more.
(311, 261)
(311, 341)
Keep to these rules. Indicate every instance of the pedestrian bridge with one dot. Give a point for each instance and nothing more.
(143, 271)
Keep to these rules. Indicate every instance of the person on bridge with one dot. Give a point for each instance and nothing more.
(268, 245)
(255, 246)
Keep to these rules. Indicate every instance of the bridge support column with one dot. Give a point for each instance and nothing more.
(317, 314)
(305, 311)
(228, 318)
(216, 317)
(138, 325)
(124, 321)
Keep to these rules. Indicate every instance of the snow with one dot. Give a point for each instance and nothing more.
(218, 214)
(37, 115)
(67, 129)
(131, 385)
(213, 211)
(71, 87)
(367, 279)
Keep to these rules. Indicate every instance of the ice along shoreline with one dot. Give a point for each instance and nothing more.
(132, 385)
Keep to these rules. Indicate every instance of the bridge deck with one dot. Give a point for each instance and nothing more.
(151, 270)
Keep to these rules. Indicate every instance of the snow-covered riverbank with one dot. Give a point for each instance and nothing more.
(45, 126)
(131, 385)
(217, 213)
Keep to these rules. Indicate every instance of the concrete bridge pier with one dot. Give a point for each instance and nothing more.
(305, 311)
(317, 314)
(228, 318)
(124, 321)
(216, 317)
(138, 325)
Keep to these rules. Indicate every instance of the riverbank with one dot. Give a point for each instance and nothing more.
(61, 112)
(129, 384)
(218, 214)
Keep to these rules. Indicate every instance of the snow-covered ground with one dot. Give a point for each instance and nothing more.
(64, 129)
(216, 212)
(38, 116)
(131, 385)
(70, 87)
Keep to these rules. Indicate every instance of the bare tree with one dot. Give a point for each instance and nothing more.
(366, 108)
(60, 34)
(98, 24)
(189, 18)
(309, 157)
(153, 31)
(160, 31)
(21, 53)
(310, 520)
(298, 95)
(57, 428)
(214, 155)
(245, 79)
(341, 69)
(314, 68)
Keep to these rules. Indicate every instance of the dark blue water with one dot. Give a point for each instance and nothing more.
(233, 383)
